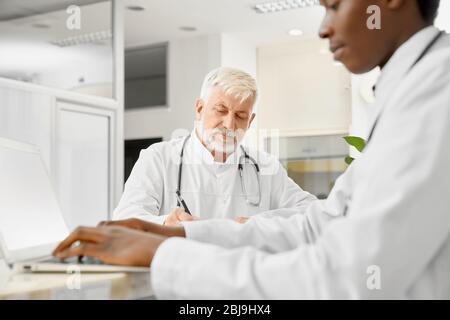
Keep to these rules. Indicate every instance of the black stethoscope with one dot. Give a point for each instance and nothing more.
(421, 56)
(244, 158)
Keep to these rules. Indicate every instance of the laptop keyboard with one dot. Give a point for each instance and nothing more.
(73, 260)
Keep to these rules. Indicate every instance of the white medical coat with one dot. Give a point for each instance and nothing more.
(210, 189)
(384, 232)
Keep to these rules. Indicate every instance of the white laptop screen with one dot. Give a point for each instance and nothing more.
(29, 212)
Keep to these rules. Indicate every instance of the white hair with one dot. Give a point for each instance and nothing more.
(233, 81)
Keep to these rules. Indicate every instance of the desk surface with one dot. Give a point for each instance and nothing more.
(102, 286)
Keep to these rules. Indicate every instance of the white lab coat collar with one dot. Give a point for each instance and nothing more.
(402, 60)
(398, 66)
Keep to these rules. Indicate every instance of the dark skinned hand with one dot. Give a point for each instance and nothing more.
(141, 225)
(113, 245)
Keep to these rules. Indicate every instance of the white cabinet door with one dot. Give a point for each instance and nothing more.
(83, 153)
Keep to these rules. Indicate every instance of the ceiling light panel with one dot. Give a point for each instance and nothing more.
(94, 37)
(283, 5)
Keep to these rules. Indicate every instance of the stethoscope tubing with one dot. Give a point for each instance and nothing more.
(180, 200)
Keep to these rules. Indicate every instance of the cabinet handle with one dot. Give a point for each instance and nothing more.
(309, 150)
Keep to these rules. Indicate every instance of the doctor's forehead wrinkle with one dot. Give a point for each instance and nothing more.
(237, 109)
(221, 104)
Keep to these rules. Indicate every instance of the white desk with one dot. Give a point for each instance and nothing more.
(70, 286)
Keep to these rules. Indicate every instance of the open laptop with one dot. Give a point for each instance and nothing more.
(31, 222)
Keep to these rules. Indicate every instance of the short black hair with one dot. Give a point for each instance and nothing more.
(428, 9)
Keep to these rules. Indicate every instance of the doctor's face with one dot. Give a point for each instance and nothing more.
(352, 42)
(223, 119)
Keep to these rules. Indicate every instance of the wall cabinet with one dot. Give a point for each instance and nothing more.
(313, 162)
(79, 134)
(79, 143)
(83, 154)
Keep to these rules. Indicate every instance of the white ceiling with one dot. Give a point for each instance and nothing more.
(27, 50)
(161, 20)
(95, 17)
(13, 9)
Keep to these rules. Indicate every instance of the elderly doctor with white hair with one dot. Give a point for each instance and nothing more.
(209, 174)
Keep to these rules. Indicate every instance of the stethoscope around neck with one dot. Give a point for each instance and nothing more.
(243, 159)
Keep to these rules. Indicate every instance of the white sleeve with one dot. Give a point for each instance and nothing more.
(275, 234)
(144, 189)
(397, 222)
(283, 230)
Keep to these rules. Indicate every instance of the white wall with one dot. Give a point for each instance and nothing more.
(238, 52)
(189, 61)
(303, 91)
(443, 19)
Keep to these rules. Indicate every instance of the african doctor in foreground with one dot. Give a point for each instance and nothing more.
(389, 212)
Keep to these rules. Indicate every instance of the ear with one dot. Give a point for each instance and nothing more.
(252, 117)
(395, 4)
(199, 105)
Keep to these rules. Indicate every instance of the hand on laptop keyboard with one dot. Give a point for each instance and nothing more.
(74, 260)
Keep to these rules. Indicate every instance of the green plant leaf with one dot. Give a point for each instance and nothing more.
(349, 160)
(357, 142)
